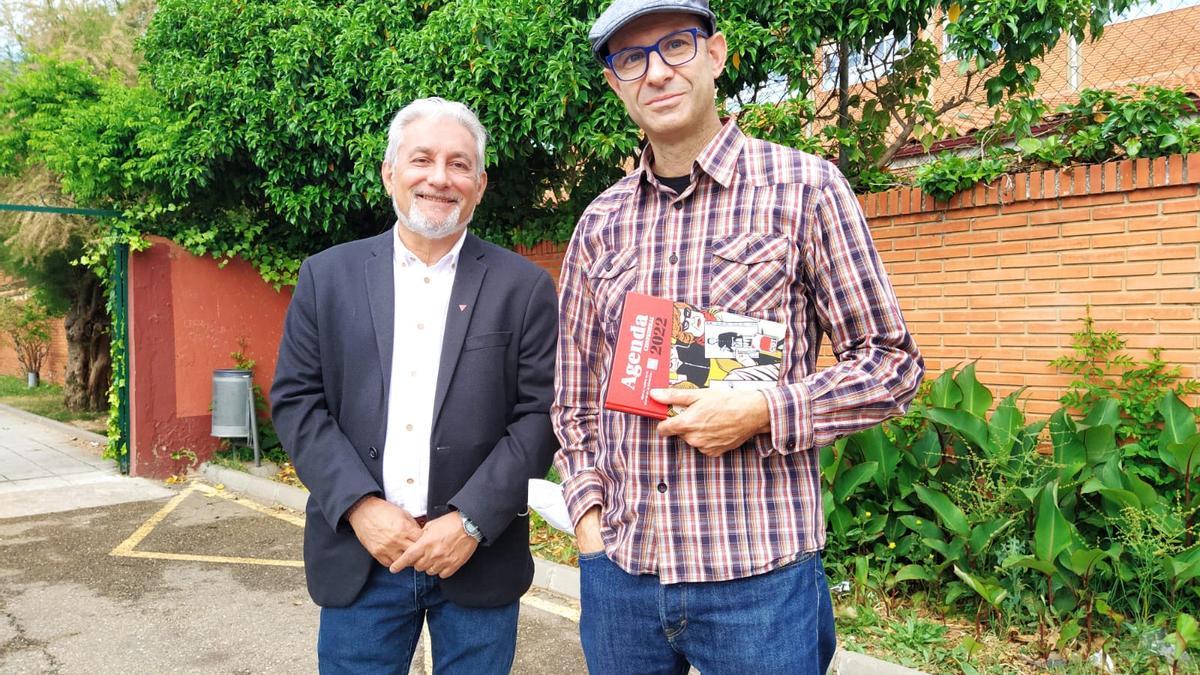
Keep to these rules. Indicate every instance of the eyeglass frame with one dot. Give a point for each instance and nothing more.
(696, 34)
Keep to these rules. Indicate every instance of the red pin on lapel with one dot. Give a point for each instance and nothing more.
(462, 308)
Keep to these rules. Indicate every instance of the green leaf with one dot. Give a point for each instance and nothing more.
(1004, 426)
(970, 427)
(1179, 424)
(982, 535)
(923, 527)
(1184, 457)
(951, 516)
(1052, 532)
(926, 450)
(988, 589)
(1030, 562)
(1083, 561)
(976, 397)
(876, 447)
(944, 392)
(849, 481)
(914, 573)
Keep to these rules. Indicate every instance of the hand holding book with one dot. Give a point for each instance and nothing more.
(714, 421)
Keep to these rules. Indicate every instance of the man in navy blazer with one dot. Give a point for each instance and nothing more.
(412, 393)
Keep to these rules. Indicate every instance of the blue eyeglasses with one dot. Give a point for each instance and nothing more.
(675, 49)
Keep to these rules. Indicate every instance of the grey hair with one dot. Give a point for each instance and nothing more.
(436, 107)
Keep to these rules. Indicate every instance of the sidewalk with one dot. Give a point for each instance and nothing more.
(43, 463)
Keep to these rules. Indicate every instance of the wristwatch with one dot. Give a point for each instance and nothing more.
(471, 528)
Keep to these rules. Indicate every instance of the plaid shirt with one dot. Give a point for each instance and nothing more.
(764, 231)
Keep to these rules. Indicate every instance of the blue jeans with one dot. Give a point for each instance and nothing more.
(778, 622)
(378, 633)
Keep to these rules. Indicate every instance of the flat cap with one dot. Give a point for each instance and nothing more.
(621, 12)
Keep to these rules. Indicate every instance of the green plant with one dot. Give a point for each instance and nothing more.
(949, 174)
(1148, 122)
(268, 440)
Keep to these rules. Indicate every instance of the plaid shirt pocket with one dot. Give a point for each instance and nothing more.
(749, 273)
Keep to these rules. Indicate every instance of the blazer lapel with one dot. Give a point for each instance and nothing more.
(381, 292)
(467, 281)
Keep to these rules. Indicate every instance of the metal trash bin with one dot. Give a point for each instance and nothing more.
(233, 407)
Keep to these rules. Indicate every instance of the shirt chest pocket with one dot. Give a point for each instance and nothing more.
(750, 273)
(611, 276)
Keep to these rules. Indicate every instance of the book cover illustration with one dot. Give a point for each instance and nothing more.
(664, 343)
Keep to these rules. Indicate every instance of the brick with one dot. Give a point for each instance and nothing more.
(1161, 193)
(1181, 267)
(1187, 221)
(1095, 181)
(1069, 272)
(1097, 199)
(1177, 327)
(914, 267)
(1125, 240)
(1162, 252)
(1125, 175)
(994, 302)
(1089, 285)
(920, 291)
(1100, 313)
(1141, 169)
(976, 212)
(1161, 314)
(969, 264)
(1035, 185)
(1084, 257)
(1191, 170)
(943, 252)
(1017, 220)
(1093, 227)
(1158, 171)
(1190, 297)
(1025, 233)
(1045, 286)
(897, 256)
(878, 233)
(1079, 180)
(974, 317)
(1164, 341)
(1008, 248)
(916, 242)
(970, 238)
(1058, 244)
(1050, 183)
(1037, 260)
(1181, 206)
(1060, 216)
(996, 275)
(942, 303)
(1161, 282)
(1125, 269)
(1026, 315)
(1122, 298)
(1027, 206)
(969, 340)
(1186, 236)
(1124, 211)
(941, 278)
(944, 227)
(1175, 169)
(979, 288)
(1056, 299)
(1109, 182)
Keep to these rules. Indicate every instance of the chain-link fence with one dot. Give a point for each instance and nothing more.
(1152, 43)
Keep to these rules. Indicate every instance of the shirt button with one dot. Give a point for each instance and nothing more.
(408, 427)
(412, 373)
(426, 279)
(673, 259)
(420, 326)
(373, 453)
(410, 481)
(678, 205)
(662, 487)
(791, 444)
(608, 265)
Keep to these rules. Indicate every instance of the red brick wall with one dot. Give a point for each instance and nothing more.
(1004, 273)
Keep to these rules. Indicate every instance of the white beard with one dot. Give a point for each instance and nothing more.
(419, 223)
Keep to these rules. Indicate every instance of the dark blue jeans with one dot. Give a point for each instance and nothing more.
(378, 633)
(778, 622)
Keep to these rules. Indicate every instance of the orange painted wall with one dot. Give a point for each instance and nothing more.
(55, 368)
(187, 315)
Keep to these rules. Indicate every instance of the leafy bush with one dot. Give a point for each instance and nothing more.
(27, 323)
(986, 513)
(950, 173)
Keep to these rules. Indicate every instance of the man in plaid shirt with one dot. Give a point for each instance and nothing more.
(700, 536)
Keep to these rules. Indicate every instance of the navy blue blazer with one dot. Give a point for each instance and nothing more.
(491, 427)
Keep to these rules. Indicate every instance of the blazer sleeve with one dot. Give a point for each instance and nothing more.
(325, 459)
(499, 488)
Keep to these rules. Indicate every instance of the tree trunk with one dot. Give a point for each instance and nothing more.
(89, 363)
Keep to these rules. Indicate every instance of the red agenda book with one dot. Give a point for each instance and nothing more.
(663, 343)
(641, 361)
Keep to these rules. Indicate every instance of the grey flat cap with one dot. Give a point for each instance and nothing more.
(621, 12)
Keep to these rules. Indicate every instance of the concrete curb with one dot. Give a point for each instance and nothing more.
(70, 429)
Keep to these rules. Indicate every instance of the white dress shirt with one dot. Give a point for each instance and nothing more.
(422, 296)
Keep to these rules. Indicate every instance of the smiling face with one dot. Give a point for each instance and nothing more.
(669, 103)
(434, 181)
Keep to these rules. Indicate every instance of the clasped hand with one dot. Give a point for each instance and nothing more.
(394, 538)
(714, 421)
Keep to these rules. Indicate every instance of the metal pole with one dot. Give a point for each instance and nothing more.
(1073, 65)
(253, 421)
